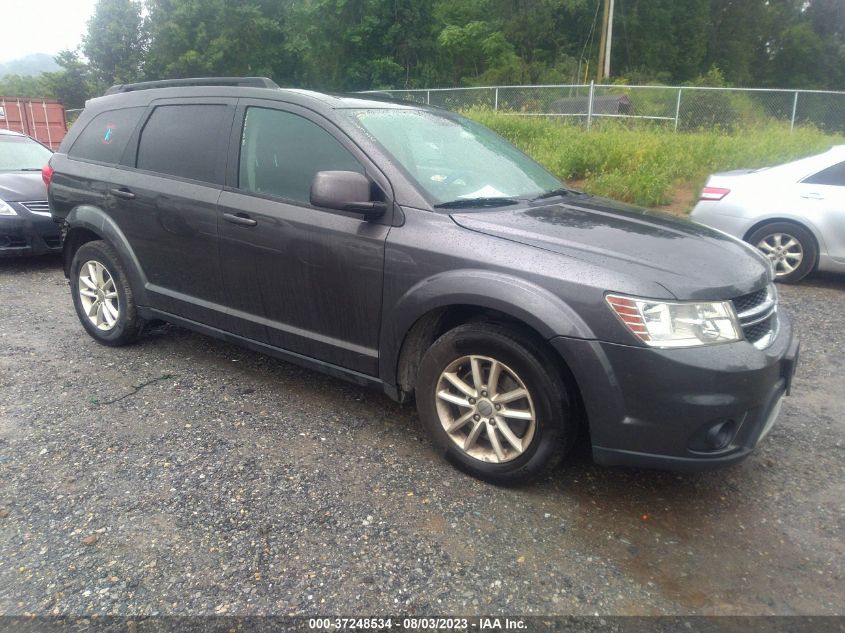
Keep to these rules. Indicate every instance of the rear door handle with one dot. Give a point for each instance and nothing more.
(123, 193)
(241, 219)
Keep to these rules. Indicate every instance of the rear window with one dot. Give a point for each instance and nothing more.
(184, 141)
(104, 139)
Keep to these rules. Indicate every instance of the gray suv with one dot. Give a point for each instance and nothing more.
(410, 249)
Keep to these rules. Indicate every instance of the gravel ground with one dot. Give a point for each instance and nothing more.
(234, 483)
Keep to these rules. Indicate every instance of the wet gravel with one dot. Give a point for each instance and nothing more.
(187, 476)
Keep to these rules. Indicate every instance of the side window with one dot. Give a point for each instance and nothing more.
(105, 137)
(831, 176)
(281, 152)
(183, 141)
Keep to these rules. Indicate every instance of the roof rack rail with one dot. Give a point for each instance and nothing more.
(249, 82)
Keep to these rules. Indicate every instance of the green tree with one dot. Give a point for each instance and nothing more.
(215, 37)
(72, 85)
(808, 50)
(24, 86)
(665, 38)
(360, 44)
(739, 33)
(115, 41)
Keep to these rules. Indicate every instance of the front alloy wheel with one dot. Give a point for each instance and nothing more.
(494, 400)
(485, 409)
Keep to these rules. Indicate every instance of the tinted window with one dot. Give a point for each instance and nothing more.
(183, 141)
(831, 176)
(281, 152)
(105, 137)
(19, 153)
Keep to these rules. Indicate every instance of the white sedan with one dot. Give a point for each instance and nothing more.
(793, 213)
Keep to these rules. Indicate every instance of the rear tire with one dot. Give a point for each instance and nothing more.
(102, 295)
(791, 248)
(492, 431)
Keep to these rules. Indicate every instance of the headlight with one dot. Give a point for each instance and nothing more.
(5, 209)
(668, 324)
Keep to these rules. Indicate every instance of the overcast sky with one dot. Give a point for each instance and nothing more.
(42, 26)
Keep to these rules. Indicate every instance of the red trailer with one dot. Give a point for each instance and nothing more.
(42, 119)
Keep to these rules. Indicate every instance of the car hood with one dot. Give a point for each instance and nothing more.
(689, 260)
(22, 186)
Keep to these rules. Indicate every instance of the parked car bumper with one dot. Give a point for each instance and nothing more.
(722, 217)
(28, 235)
(663, 408)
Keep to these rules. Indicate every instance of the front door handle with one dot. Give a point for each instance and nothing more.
(812, 196)
(123, 193)
(241, 219)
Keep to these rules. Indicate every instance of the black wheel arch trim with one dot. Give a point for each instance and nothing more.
(98, 222)
(536, 307)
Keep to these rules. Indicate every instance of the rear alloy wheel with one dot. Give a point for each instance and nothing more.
(102, 295)
(494, 403)
(791, 249)
(98, 295)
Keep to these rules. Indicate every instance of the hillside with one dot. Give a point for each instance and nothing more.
(28, 65)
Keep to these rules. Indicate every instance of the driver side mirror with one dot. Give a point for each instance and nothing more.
(345, 191)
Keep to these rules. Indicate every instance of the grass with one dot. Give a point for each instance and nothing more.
(646, 165)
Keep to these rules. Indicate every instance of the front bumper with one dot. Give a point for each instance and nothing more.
(28, 234)
(653, 408)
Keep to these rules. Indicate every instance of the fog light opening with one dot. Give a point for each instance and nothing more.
(720, 435)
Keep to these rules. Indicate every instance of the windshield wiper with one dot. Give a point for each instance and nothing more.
(477, 202)
(552, 193)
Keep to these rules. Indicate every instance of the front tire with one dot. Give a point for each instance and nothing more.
(102, 295)
(494, 403)
(790, 247)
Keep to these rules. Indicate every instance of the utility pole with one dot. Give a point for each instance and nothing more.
(606, 41)
(602, 42)
(609, 39)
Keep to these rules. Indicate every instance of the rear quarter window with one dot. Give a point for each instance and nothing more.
(104, 139)
(834, 176)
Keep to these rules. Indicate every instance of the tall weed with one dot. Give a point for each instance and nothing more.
(647, 164)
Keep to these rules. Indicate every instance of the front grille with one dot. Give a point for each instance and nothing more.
(750, 301)
(757, 314)
(39, 207)
(756, 332)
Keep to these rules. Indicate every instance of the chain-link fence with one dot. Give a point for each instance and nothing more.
(678, 108)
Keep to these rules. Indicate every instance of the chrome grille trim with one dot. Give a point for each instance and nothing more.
(38, 207)
(763, 309)
(757, 308)
(758, 319)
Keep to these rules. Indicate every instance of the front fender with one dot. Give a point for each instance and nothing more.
(98, 221)
(529, 303)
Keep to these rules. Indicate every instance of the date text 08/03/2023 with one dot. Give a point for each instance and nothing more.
(417, 623)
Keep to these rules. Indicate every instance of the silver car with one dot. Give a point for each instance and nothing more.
(793, 213)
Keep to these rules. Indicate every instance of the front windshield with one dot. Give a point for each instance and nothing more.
(22, 154)
(453, 158)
